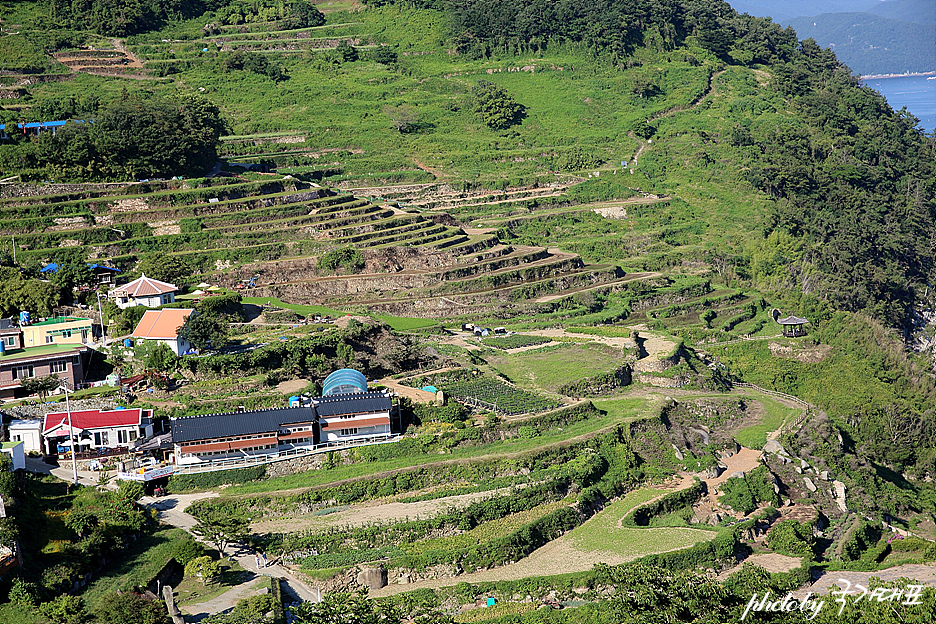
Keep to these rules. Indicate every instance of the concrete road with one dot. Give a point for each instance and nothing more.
(171, 510)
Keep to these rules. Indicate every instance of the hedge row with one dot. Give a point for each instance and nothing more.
(210, 480)
(643, 515)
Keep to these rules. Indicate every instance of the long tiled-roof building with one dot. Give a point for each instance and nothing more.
(347, 415)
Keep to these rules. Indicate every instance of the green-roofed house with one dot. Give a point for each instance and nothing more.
(16, 452)
(19, 361)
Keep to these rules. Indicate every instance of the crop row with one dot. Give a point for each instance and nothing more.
(502, 397)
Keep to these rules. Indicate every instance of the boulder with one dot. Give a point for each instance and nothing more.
(372, 578)
(809, 484)
(737, 474)
(678, 453)
(714, 471)
(824, 475)
(773, 446)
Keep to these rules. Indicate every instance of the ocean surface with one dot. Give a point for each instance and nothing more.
(915, 92)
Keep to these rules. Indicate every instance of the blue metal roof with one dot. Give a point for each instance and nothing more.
(344, 381)
(44, 124)
(52, 267)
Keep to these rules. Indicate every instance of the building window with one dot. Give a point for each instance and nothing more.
(121, 436)
(10, 341)
(58, 366)
(23, 372)
(100, 438)
(49, 338)
(133, 435)
(348, 432)
(66, 333)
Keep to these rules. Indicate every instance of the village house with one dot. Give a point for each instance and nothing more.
(97, 429)
(60, 330)
(143, 291)
(162, 326)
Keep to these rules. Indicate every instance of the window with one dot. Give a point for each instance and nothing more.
(348, 432)
(59, 366)
(66, 333)
(100, 438)
(122, 436)
(133, 434)
(10, 341)
(23, 372)
(49, 338)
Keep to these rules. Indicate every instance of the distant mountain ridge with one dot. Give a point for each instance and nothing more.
(871, 37)
(913, 11)
(870, 44)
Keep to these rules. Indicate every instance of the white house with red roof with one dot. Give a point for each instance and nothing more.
(163, 326)
(144, 291)
(96, 429)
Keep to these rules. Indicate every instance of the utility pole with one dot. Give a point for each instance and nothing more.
(71, 435)
(103, 335)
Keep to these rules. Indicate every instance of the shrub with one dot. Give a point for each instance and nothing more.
(65, 609)
(204, 568)
(24, 593)
(789, 537)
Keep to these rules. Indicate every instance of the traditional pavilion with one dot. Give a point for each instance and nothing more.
(793, 326)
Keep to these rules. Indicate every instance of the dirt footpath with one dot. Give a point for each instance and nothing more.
(925, 574)
(771, 562)
(559, 556)
(363, 514)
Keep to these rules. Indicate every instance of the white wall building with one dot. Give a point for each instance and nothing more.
(144, 291)
(29, 432)
(163, 327)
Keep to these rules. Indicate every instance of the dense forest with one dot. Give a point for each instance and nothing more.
(128, 138)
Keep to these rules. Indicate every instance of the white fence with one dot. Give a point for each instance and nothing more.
(268, 458)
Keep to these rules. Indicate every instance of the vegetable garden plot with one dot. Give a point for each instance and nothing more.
(497, 396)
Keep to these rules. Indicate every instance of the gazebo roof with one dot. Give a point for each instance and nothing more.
(792, 320)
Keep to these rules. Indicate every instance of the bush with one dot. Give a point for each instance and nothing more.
(24, 593)
(789, 537)
(65, 609)
(210, 480)
(185, 550)
(203, 568)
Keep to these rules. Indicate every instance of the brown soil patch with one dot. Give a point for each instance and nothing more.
(769, 561)
(414, 394)
(292, 386)
(370, 513)
(808, 355)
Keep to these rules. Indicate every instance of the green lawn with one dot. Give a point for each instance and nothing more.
(398, 323)
(138, 566)
(550, 368)
(603, 533)
(755, 436)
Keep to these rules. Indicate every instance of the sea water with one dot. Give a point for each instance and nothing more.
(915, 92)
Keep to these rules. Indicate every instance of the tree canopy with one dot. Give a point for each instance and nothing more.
(131, 137)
